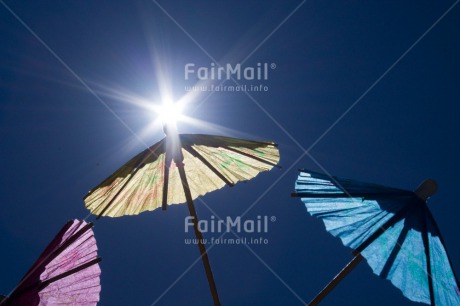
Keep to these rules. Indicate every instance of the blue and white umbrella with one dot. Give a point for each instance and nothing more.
(391, 228)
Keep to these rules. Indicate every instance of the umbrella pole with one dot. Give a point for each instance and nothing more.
(199, 236)
(337, 279)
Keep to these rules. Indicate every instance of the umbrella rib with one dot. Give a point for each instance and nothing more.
(251, 156)
(365, 195)
(152, 150)
(119, 191)
(74, 238)
(141, 160)
(66, 244)
(383, 228)
(40, 285)
(426, 245)
(70, 272)
(192, 151)
(54, 252)
(50, 248)
(168, 159)
(436, 227)
(394, 253)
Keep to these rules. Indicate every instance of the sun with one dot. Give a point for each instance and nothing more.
(170, 112)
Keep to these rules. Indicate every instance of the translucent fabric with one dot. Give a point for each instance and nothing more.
(392, 228)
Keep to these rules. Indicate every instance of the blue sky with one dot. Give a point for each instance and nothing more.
(370, 90)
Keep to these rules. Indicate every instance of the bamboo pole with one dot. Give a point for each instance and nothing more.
(174, 153)
(337, 279)
(199, 236)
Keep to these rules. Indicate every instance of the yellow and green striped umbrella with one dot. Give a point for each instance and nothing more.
(150, 180)
(178, 169)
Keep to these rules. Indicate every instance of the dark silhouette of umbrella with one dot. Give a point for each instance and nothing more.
(392, 228)
(67, 272)
(178, 169)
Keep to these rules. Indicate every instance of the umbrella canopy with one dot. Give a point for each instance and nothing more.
(150, 180)
(178, 169)
(391, 228)
(67, 272)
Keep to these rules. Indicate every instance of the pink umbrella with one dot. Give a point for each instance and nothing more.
(67, 272)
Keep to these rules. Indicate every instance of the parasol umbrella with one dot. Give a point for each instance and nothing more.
(67, 272)
(392, 228)
(178, 169)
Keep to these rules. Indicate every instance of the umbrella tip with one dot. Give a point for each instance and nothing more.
(426, 189)
(165, 129)
(169, 128)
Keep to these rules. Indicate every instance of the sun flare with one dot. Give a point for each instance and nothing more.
(169, 112)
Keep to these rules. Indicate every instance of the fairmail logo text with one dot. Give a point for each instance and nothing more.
(257, 225)
(228, 71)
